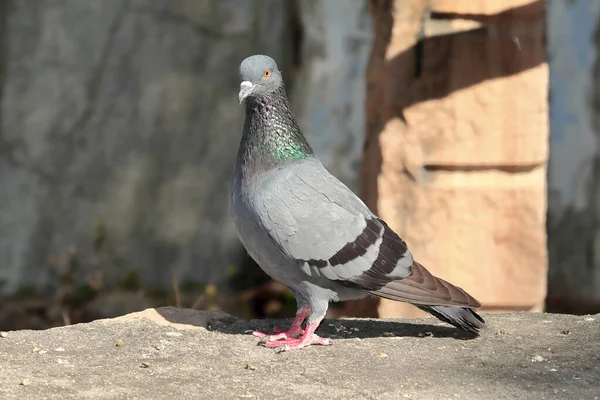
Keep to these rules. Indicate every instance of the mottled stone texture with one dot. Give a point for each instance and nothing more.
(125, 112)
(456, 149)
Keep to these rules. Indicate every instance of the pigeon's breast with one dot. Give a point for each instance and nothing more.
(245, 214)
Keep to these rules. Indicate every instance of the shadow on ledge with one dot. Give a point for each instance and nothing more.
(222, 322)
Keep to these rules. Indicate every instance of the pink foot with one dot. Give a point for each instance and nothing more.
(279, 334)
(294, 344)
(308, 338)
(294, 331)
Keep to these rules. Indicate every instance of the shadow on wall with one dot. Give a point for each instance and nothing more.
(430, 70)
(427, 70)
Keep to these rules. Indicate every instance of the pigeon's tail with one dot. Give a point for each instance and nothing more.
(461, 317)
(442, 299)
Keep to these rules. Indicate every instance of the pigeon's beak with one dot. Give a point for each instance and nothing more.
(245, 89)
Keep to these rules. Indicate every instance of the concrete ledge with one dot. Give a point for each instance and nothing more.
(170, 353)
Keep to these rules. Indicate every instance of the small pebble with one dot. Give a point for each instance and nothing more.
(145, 365)
(388, 334)
(251, 367)
(3, 334)
(381, 355)
(59, 349)
(173, 334)
(35, 350)
(42, 351)
(589, 319)
(25, 382)
(157, 346)
(565, 332)
(119, 343)
(537, 358)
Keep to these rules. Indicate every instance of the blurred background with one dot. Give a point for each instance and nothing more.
(470, 126)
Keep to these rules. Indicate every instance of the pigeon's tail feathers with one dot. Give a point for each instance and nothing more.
(434, 295)
(461, 317)
(420, 287)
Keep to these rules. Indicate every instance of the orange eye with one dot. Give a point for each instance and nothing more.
(267, 73)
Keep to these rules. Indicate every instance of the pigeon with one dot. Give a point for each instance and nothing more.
(310, 232)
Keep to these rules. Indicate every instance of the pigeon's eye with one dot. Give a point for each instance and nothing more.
(267, 73)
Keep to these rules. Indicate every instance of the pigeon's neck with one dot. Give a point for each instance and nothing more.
(271, 136)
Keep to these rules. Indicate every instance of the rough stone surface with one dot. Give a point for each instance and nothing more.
(454, 162)
(169, 353)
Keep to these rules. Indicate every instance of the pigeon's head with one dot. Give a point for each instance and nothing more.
(260, 76)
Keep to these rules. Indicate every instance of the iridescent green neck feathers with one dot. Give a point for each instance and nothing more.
(271, 136)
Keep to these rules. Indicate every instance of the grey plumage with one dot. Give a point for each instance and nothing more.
(308, 231)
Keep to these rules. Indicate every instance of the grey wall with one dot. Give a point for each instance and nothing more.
(330, 98)
(125, 113)
(574, 166)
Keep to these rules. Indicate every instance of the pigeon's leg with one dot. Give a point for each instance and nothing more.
(318, 308)
(295, 329)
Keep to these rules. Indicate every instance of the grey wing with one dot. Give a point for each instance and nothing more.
(322, 225)
(318, 222)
